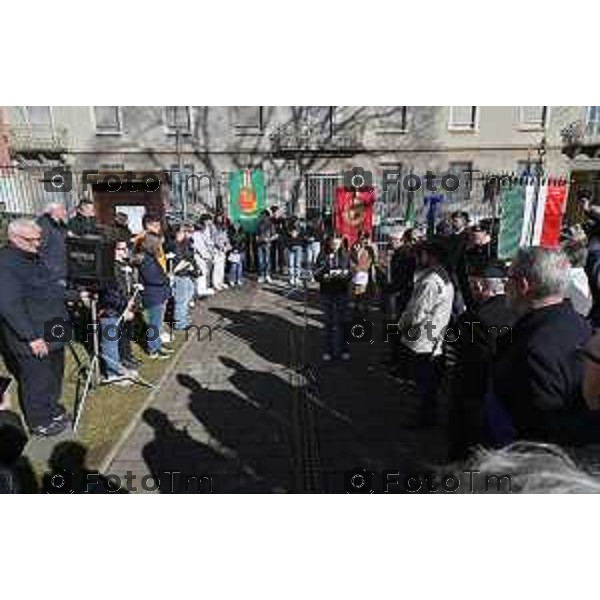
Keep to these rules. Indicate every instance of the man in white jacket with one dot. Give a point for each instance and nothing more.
(424, 322)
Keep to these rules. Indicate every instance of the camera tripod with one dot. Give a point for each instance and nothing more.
(91, 370)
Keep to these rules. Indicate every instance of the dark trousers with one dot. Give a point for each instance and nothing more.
(40, 386)
(336, 316)
(278, 256)
(427, 378)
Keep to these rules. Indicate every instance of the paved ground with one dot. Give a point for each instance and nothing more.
(256, 410)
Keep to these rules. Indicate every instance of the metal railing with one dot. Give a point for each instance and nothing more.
(25, 191)
(37, 138)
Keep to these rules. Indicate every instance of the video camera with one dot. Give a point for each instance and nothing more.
(90, 261)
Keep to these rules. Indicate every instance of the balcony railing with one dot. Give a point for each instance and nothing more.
(292, 139)
(39, 138)
(581, 137)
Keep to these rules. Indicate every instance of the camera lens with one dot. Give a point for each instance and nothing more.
(358, 481)
(358, 180)
(57, 181)
(58, 332)
(358, 331)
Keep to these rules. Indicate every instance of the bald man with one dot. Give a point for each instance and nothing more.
(28, 302)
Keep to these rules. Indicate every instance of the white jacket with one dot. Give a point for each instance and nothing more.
(430, 305)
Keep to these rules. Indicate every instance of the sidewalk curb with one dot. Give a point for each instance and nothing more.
(108, 460)
(118, 446)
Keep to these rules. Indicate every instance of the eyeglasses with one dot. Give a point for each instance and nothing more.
(37, 238)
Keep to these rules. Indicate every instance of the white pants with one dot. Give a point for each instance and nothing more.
(218, 274)
(202, 281)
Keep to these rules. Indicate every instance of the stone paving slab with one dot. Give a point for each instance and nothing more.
(234, 408)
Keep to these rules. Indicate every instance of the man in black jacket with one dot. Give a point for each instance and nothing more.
(538, 375)
(53, 248)
(29, 306)
(480, 328)
(84, 222)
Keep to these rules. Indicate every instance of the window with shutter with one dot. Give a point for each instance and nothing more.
(532, 116)
(248, 119)
(463, 117)
(178, 118)
(392, 118)
(108, 119)
(39, 115)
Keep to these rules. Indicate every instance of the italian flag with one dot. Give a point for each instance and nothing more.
(532, 215)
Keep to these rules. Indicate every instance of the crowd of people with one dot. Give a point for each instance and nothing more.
(511, 344)
(164, 269)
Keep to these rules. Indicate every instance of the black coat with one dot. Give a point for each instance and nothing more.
(113, 297)
(81, 226)
(28, 300)
(538, 377)
(403, 266)
(53, 249)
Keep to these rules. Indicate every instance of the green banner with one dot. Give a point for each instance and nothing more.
(247, 194)
(511, 221)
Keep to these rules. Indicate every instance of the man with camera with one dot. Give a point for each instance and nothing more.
(31, 313)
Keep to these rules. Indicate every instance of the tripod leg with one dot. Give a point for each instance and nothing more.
(93, 368)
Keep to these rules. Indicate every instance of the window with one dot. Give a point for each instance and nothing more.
(319, 119)
(108, 120)
(532, 116)
(39, 116)
(248, 119)
(593, 120)
(463, 118)
(320, 193)
(392, 119)
(178, 118)
(464, 172)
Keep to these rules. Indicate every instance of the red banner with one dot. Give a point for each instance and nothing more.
(554, 210)
(353, 212)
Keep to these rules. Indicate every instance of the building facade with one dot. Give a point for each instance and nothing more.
(303, 151)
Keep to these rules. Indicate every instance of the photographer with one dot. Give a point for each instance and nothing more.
(28, 303)
(332, 271)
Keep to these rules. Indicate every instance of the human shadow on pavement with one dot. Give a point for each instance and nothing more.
(273, 337)
(256, 427)
(180, 464)
(69, 474)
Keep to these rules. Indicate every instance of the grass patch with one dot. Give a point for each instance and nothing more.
(108, 409)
